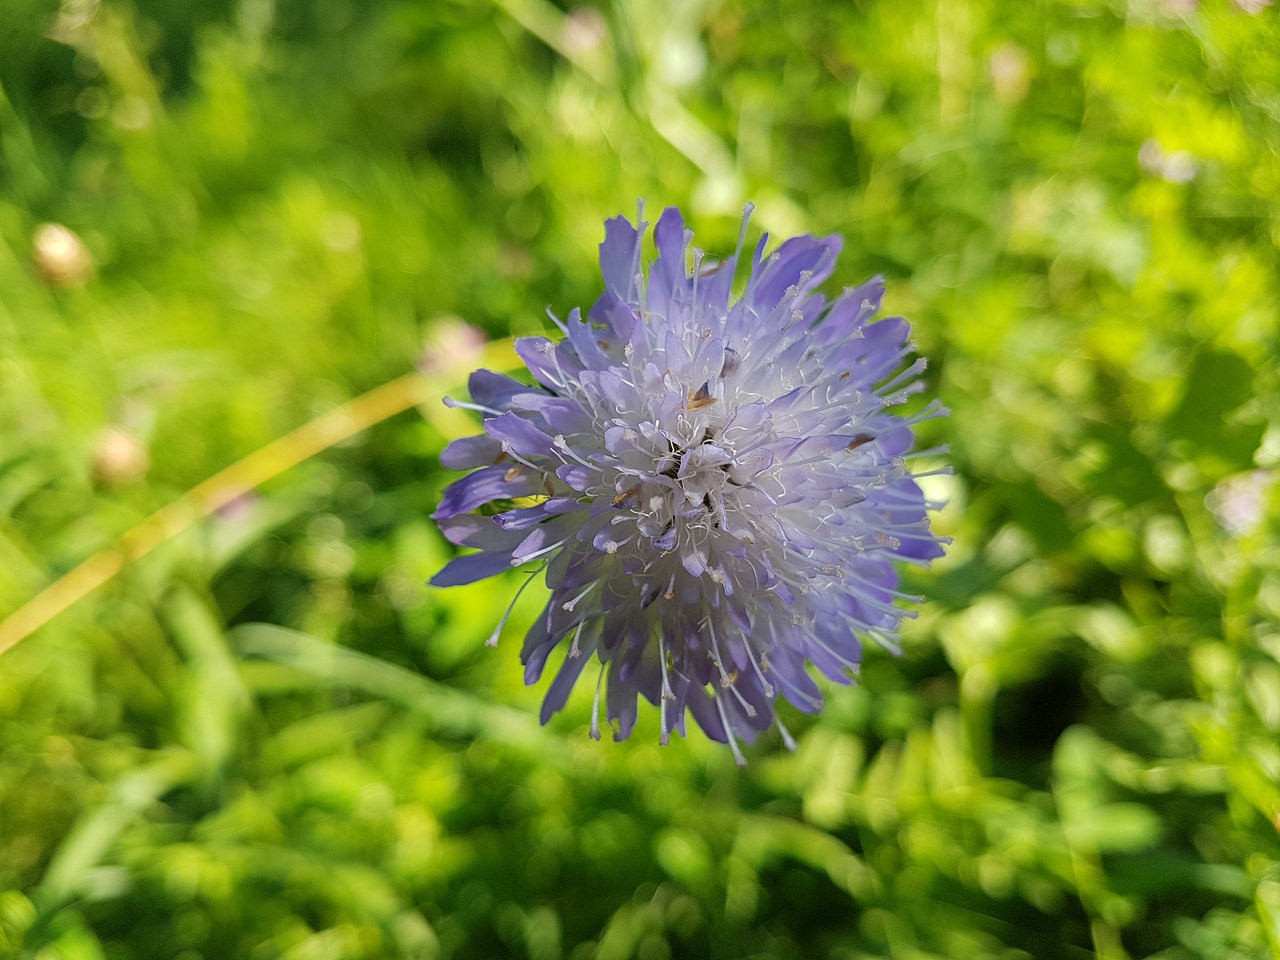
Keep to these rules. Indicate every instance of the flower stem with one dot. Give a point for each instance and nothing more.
(226, 485)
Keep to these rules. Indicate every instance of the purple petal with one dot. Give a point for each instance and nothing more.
(850, 312)
(578, 477)
(501, 482)
(784, 268)
(562, 685)
(585, 343)
(787, 670)
(540, 537)
(703, 707)
(537, 353)
(468, 452)
(615, 313)
(538, 644)
(472, 530)
(493, 390)
(469, 569)
(524, 438)
(620, 256)
(667, 278)
(621, 705)
(521, 518)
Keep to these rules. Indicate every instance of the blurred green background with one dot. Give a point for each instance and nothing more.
(269, 739)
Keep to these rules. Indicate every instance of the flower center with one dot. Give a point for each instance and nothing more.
(702, 472)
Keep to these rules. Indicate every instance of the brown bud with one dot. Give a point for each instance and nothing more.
(120, 458)
(60, 256)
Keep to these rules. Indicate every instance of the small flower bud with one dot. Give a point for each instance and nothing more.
(61, 256)
(119, 458)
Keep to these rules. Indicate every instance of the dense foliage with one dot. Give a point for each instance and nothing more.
(269, 738)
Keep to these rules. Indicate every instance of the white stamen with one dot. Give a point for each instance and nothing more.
(537, 553)
(738, 758)
(595, 704)
(497, 631)
(568, 605)
(575, 651)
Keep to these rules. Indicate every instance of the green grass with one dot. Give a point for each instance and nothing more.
(268, 738)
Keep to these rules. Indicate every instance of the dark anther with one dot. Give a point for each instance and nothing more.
(702, 397)
(628, 499)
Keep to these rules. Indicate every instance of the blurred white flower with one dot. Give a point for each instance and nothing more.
(1176, 166)
(1239, 503)
(584, 31)
(1010, 70)
(451, 345)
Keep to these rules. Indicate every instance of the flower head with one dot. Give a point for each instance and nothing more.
(716, 488)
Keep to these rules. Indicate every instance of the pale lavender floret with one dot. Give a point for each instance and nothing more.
(717, 490)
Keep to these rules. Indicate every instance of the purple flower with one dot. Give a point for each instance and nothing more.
(716, 489)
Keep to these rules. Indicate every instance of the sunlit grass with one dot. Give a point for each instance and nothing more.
(244, 252)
